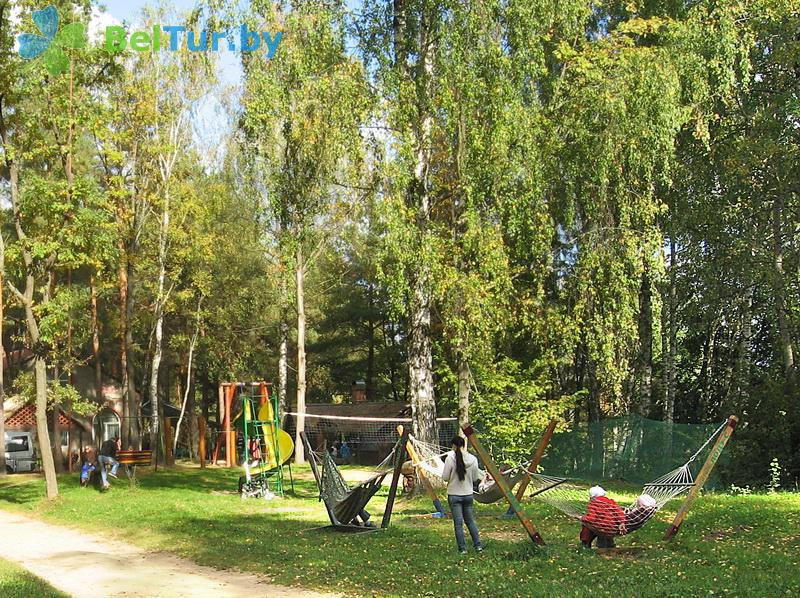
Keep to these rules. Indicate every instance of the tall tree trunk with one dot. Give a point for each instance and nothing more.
(420, 364)
(71, 382)
(188, 385)
(159, 329)
(420, 354)
(191, 421)
(154, 369)
(2, 368)
(671, 330)
(778, 286)
(40, 375)
(299, 452)
(645, 361)
(283, 346)
(131, 430)
(134, 401)
(55, 437)
(98, 372)
(370, 381)
(122, 283)
(463, 392)
(742, 373)
(706, 370)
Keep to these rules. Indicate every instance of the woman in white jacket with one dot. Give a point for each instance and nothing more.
(461, 472)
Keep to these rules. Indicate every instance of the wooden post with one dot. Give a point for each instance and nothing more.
(387, 512)
(317, 475)
(229, 442)
(702, 477)
(169, 457)
(500, 480)
(426, 483)
(201, 440)
(537, 458)
(232, 434)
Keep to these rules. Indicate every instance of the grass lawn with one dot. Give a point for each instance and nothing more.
(729, 545)
(16, 582)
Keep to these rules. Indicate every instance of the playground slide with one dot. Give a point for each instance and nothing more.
(285, 443)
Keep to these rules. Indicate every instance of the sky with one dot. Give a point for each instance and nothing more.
(209, 123)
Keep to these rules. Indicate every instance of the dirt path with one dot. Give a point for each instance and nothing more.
(84, 565)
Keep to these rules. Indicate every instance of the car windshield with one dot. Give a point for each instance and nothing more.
(17, 444)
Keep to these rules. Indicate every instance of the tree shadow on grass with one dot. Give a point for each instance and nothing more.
(211, 480)
(28, 491)
(295, 551)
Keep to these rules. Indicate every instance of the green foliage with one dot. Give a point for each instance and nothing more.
(740, 490)
(775, 473)
(64, 395)
(513, 408)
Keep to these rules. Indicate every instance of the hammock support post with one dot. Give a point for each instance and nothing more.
(711, 460)
(537, 458)
(387, 512)
(500, 480)
(426, 483)
(315, 471)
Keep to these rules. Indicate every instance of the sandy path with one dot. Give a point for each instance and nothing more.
(88, 566)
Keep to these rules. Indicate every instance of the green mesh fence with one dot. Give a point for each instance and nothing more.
(632, 449)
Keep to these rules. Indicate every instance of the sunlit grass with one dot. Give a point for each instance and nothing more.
(729, 545)
(16, 582)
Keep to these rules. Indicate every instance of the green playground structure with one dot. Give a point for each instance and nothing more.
(267, 448)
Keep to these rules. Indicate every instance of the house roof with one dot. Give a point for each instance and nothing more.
(25, 417)
(361, 409)
(168, 410)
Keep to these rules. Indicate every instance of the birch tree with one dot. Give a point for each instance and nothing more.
(59, 218)
(302, 111)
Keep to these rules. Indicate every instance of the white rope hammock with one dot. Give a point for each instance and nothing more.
(431, 461)
(604, 516)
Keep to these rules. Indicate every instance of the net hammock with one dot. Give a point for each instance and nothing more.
(431, 461)
(603, 515)
(346, 504)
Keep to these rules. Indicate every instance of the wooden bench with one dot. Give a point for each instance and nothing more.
(130, 459)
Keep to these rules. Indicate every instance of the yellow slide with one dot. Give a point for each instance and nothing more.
(285, 443)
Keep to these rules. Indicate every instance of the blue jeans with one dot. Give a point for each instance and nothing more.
(461, 508)
(101, 461)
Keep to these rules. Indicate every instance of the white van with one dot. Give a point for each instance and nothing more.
(20, 452)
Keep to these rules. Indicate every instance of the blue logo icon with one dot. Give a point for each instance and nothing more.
(51, 44)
